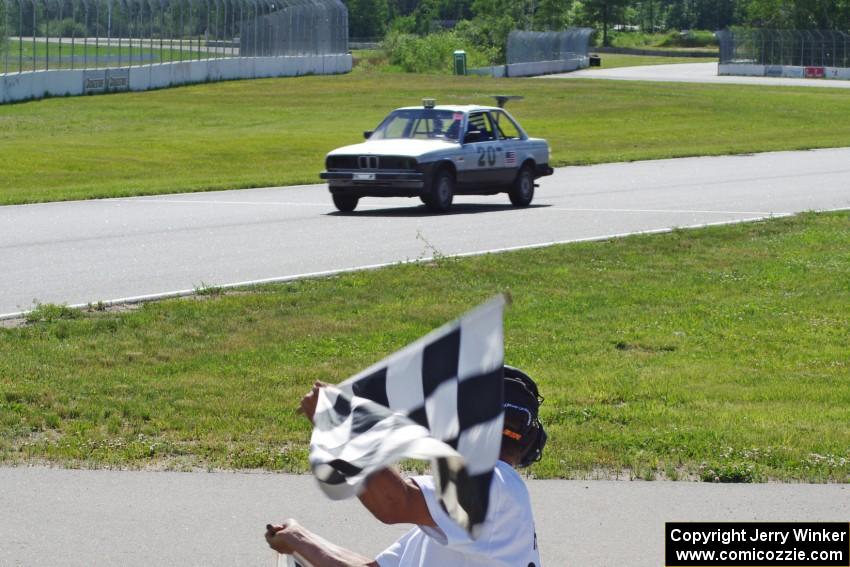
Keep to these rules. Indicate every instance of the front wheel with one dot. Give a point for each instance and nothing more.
(439, 198)
(522, 192)
(345, 203)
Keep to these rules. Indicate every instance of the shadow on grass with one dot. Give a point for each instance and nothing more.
(422, 210)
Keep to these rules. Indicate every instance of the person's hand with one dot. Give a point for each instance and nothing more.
(279, 536)
(308, 402)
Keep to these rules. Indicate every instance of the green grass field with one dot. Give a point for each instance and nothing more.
(277, 131)
(719, 353)
(26, 56)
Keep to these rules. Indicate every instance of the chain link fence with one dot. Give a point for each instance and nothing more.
(40, 35)
(800, 48)
(530, 46)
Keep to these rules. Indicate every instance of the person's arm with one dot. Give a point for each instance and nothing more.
(395, 500)
(389, 497)
(293, 539)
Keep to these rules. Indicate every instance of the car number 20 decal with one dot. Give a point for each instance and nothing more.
(488, 154)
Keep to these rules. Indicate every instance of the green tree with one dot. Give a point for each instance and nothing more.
(799, 14)
(496, 19)
(604, 13)
(367, 18)
(4, 33)
(551, 15)
(398, 8)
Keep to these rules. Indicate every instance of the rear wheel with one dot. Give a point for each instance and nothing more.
(439, 198)
(345, 203)
(522, 191)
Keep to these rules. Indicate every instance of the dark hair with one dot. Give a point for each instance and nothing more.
(523, 433)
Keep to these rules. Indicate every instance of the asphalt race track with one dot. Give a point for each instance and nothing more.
(73, 518)
(691, 73)
(88, 251)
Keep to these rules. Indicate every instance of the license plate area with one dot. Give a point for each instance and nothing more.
(364, 177)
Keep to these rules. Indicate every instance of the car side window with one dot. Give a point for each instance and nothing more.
(479, 128)
(506, 127)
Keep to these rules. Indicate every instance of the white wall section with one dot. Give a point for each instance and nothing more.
(534, 68)
(790, 71)
(39, 84)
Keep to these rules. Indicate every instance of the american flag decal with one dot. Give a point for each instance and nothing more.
(510, 158)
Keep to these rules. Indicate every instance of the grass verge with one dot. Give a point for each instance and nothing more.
(276, 132)
(26, 56)
(718, 353)
(616, 60)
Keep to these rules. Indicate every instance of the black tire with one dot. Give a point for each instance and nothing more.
(440, 195)
(345, 203)
(522, 191)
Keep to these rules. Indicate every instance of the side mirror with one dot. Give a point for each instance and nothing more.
(472, 136)
(368, 134)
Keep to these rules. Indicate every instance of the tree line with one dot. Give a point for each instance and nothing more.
(375, 18)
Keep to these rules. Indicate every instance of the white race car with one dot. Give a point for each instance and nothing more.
(436, 152)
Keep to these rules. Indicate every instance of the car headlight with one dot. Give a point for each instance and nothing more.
(341, 162)
(398, 163)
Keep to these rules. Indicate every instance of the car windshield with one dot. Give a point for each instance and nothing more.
(420, 123)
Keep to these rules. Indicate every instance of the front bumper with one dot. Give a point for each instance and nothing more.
(375, 184)
(543, 170)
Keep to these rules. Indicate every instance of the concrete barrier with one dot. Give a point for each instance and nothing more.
(242, 68)
(744, 69)
(841, 73)
(534, 68)
(60, 83)
(161, 76)
(788, 71)
(342, 62)
(794, 72)
(545, 67)
(496, 71)
(38, 84)
(24, 86)
(117, 80)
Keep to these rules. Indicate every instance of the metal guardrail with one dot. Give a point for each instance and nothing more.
(38, 35)
(800, 48)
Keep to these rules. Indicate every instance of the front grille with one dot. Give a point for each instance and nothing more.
(368, 162)
(393, 163)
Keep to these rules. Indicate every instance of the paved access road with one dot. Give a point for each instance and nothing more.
(88, 251)
(691, 73)
(71, 518)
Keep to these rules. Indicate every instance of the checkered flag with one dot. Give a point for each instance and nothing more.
(438, 399)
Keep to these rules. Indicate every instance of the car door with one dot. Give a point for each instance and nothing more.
(482, 152)
(512, 139)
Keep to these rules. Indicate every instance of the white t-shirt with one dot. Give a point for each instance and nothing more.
(507, 536)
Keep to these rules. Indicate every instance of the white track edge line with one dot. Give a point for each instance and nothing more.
(326, 273)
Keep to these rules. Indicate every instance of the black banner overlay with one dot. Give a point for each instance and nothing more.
(757, 544)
